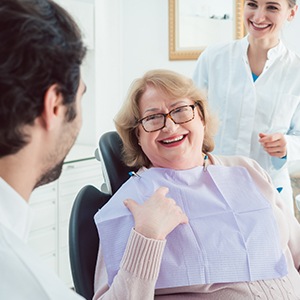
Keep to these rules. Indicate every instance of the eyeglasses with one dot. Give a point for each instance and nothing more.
(178, 115)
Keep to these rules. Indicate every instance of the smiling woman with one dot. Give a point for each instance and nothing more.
(163, 93)
(255, 82)
(173, 143)
(169, 239)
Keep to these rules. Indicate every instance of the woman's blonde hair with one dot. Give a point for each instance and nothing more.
(292, 3)
(175, 86)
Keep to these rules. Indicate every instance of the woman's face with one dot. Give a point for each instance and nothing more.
(264, 19)
(176, 146)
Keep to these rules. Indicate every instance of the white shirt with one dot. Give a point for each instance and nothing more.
(245, 108)
(23, 275)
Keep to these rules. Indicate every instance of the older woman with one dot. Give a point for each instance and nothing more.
(200, 226)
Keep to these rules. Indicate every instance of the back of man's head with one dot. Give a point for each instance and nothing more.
(41, 45)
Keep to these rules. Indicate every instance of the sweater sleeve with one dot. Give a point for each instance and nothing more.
(138, 271)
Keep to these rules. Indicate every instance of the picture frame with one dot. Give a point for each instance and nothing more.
(186, 41)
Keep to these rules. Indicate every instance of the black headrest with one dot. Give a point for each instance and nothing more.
(111, 147)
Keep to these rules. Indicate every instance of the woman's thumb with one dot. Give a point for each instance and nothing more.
(130, 204)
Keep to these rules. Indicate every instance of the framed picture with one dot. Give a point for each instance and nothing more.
(195, 24)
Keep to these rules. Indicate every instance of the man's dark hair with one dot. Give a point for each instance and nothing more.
(40, 45)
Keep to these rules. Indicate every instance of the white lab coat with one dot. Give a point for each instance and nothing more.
(22, 274)
(245, 108)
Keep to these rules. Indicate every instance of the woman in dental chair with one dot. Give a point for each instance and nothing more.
(189, 224)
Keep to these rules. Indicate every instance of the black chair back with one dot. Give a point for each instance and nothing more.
(83, 235)
(115, 171)
(83, 238)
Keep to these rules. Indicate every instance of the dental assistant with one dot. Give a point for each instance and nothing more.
(253, 85)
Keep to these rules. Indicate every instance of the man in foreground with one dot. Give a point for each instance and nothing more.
(40, 116)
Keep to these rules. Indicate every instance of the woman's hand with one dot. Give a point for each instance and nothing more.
(157, 216)
(274, 144)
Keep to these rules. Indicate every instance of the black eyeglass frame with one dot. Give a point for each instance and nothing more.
(140, 121)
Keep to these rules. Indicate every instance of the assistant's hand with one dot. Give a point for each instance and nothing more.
(274, 144)
(157, 216)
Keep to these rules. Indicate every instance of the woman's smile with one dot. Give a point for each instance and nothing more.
(259, 26)
(173, 141)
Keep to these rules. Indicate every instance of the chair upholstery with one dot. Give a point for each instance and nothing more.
(115, 172)
(83, 238)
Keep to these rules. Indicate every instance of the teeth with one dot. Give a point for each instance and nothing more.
(260, 26)
(179, 138)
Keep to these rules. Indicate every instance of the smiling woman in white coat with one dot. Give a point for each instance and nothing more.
(253, 84)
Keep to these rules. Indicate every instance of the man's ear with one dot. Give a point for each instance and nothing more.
(52, 106)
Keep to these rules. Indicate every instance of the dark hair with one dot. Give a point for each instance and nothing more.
(41, 45)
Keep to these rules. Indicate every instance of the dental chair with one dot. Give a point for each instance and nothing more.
(83, 235)
(115, 172)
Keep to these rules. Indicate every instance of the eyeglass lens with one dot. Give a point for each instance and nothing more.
(178, 115)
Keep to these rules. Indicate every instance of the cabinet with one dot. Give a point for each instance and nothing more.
(52, 204)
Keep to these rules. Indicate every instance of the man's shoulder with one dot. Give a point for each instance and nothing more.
(24, 275)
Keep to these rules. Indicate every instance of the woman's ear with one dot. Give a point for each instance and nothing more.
(137, 134)
(53, 107)
(293, 13)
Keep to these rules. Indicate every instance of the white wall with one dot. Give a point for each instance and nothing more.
(108, 80)
(145, 40)
(290, 34)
